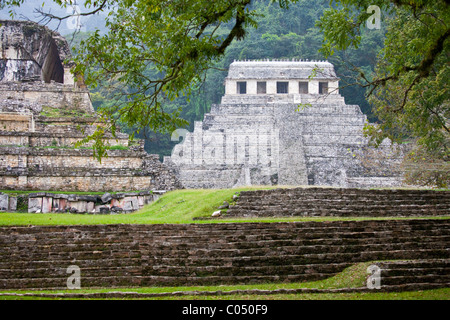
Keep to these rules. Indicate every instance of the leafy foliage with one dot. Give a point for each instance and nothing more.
(426, 168)
(409, 88)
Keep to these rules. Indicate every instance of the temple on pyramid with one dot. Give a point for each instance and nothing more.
(283, 123)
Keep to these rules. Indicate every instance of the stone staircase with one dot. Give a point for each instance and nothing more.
(212, 254)
(415, 274)
(342, 202)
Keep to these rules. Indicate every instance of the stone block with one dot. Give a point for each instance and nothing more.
(90, 207)
(106, 197)
(78, 206)
(135, 203)
(141, 201)
(130, 194)
(148, 199)
(127, 204)
(225, 205)
(12, 204)
(36, 195)
(115, 209)
(4, 202)
(87, 198)
(35, 205)
(157, 194)
(47, 204)
(130, 204)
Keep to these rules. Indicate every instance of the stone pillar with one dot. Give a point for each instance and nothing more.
(35, 205)
(22, 181)
(12, 206)
(4, 202)
(313, 87)
(271, 87)
(230, 87)
(251, 87)
(293, 87)
(333, 87)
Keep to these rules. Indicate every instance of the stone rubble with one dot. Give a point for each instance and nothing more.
(91, 204)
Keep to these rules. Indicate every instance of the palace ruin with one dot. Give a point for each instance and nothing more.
(43, 113)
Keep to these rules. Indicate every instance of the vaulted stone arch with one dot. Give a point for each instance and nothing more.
(31, 52)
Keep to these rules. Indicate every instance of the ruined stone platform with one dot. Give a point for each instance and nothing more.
(340, 202)
(45, 111)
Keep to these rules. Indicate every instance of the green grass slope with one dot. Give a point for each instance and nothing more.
(180, 206)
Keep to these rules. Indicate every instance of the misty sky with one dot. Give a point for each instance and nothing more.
(28, 12)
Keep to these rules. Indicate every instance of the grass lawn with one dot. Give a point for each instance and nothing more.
(179, 206)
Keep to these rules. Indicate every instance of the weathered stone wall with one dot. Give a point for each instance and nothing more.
(14, 122)
(55, 140)
(35, 97)
(7, 203)
(77, 170)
